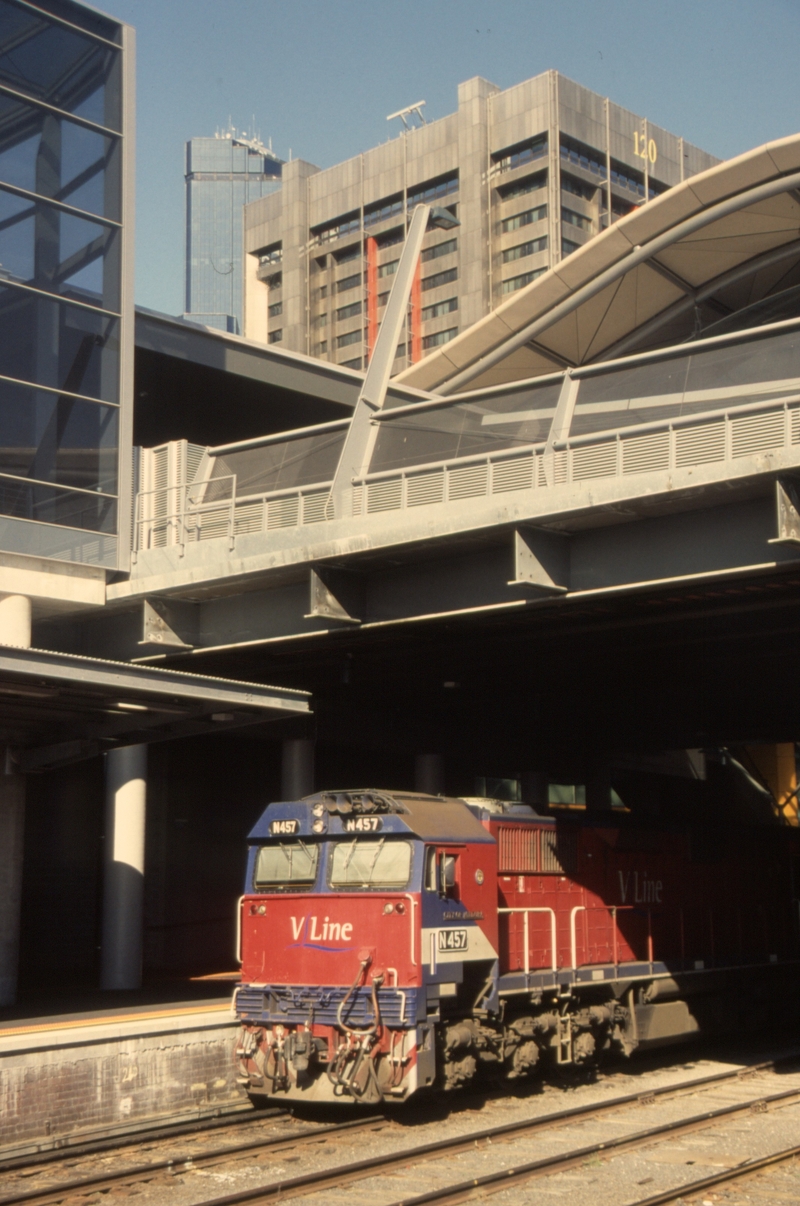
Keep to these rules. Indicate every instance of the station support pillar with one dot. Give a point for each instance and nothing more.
(429, 774)
(123, 871)
(15, 629)
(297, 768)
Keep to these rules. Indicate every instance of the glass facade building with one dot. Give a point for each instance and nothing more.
(66, 305)
(222, 175)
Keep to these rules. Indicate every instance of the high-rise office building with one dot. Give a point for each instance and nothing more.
(222, 174)
(531, 173)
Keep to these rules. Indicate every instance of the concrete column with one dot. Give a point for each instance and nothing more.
(15, 621)
(123, 872)
(429, 774)
(12, 824)
(15, 629)
(297, 768)
(534, 785)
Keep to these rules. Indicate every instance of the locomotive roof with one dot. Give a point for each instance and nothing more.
(436, 818)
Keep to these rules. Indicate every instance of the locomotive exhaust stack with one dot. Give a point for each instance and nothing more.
(394, 942)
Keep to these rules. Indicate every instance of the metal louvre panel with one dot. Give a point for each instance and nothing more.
(314, 506)
(471, 481)
(513, 474)
(560, 460)
(358, 492)
(385, 495)
(541, 476)
(422, 489)
(211, 525)
(248, 518)
(559, 853)
(283, 512)
(646, 453)
(517, 849)
(194, 455)
(794, 416)
(598, 461)
(756, 433)
(701, 444)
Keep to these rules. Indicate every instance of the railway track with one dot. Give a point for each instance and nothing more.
(484, 1140)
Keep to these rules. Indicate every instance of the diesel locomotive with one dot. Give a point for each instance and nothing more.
(393, 941)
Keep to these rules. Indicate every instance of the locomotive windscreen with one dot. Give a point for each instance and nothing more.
(363, 864)
(286, 865)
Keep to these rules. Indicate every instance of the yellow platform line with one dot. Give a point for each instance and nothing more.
(77, 1023)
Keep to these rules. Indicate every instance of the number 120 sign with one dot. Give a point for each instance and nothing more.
(645, 148)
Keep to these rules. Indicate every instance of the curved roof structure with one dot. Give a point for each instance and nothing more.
(708, 247)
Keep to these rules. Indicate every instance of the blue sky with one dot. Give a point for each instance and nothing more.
(320, 76)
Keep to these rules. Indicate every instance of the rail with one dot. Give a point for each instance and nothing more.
(525, 933)
(611, 910)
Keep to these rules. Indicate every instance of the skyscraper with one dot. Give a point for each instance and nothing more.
(222, 174)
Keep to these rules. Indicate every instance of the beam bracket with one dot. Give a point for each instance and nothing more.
(787, 513)
(159, 621)
(541, 561)
(335, 594)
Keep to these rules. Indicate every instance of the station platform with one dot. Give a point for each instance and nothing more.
(107, 1063)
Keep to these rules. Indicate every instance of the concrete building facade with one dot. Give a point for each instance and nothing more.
(223, 174)
(530, 174)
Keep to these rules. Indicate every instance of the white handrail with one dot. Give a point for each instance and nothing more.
(413, 915)
(530, 909)
(239, 904)
(572, 933)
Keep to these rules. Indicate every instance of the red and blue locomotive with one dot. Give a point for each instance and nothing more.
(392, 941)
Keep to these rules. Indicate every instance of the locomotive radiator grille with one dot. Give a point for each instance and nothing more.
(295, 1005)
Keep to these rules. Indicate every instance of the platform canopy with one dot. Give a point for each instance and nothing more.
(677, 266)
(58, 708)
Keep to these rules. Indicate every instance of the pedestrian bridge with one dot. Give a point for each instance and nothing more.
(652, 469)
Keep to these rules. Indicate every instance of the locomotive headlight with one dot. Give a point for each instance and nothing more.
(318, 826)
(262, 909)
(479, 876)
(318, 810)
(388, 907)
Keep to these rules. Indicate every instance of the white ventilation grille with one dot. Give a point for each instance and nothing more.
(422, 489)
(541, 476)
(248, 518)
(560, 468)
(470, 481)
(357, 499)
(757, 433)
(384, 495)
(646, 453)
(314, 506)
(700, 445)
(211, 525)
(597, 461)
(283, 512)
(514, 474)
(794, 416)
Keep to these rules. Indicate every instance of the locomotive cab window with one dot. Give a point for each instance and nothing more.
(286, 865)
(441, 872)
(366, 864)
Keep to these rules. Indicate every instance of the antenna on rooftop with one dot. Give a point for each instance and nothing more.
(404, 114)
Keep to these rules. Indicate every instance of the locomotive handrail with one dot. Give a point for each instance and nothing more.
(239, 904)
(409, 897)
(536, 909)
(573, 937)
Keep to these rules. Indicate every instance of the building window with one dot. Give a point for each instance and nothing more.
(321, 320)
(383, 210)
(349, 282)
(336, 228)
(583, 157)
(440, 278)
(436, 340)
(354, 364)
(523, 152)
(440, 308)
(401, 350)
(353, 252)
(321, 348)
(433, 253)
(383, 298)
(519, 282)
(523, 249)
(344, 341)
(572, 219)
(391, 237)
(275, 309)
(587, 191)
(275, 282)
(567, 246)
(272, 254)
(530, 184)
(433, 190)
(322, 292)
(275, 336)
(348, 311)
(388, 269)
(526, 218)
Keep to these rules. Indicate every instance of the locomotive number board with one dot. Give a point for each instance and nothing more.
(452, 940)
(361, 824)
(281, 828)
